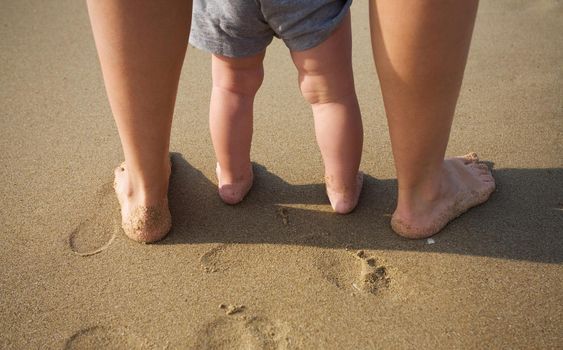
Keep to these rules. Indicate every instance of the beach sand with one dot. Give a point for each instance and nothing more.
(279, 270)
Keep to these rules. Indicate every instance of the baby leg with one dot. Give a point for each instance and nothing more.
(235, 83)
(326, 81)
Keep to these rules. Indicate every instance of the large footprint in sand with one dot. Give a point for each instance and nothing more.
(245, 332)
(355, 272)
(95, 234)
(226, 256)
(99, 337)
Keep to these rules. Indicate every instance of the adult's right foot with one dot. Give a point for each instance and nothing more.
(465, 183)
(144, 219)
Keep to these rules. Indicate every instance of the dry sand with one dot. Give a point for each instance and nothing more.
(278, 271)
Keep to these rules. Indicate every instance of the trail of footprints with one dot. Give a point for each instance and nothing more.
(226, 332)
(356, 271)
(232, 331)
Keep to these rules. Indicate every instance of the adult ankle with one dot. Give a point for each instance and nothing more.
(147, 190)
(426, 189)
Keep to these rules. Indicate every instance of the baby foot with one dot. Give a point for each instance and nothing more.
(140, 222)
(233, 192)
(344, 199)
(465, 183)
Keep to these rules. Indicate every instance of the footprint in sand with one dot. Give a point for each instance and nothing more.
(245, 332)
(99, 337)
(224, 256)
(283, 214)
(356, 272)
(212, 260)
(373, 277)
(96, 233)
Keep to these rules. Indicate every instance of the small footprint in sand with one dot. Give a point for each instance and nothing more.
(245, 332)
(358, 273)
(373, 277)
(96, 233)
(212, 260)
(283, 213)
(99, 337)
(223, 257)
(232, 309)
(231, 257)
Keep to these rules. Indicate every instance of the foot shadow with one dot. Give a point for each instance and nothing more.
(521, 221)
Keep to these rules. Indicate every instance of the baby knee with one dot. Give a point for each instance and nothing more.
(245, 81)
(249, 80)
(319, 89)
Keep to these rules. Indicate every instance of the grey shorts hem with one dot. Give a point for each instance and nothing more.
(242, 28)
(315, 39)
(222, 49)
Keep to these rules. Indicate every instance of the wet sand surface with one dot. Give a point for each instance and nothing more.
(279, 270)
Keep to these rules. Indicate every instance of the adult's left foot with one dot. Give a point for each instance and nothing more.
(144, 219)
(465, 183)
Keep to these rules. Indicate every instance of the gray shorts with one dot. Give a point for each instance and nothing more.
(239, 28)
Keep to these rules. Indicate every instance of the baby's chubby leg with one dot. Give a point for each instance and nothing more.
(235, 83)
(326, 81)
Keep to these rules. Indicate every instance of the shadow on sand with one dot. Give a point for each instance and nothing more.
(523, 220)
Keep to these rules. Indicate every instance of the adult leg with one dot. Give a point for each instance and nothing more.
(141, 46)
(235, 84)
(326, 80)
(420, 50)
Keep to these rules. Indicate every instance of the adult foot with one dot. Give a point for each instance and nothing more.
(465, 183)
(344, 199)
(144, 218)
(233, 191)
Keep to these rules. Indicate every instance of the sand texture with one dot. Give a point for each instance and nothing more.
(280, 270)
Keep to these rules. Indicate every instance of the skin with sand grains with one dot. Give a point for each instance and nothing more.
(145, 224)
(468, 184)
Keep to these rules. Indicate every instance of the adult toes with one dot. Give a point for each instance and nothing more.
(487, 177)
(479, 168)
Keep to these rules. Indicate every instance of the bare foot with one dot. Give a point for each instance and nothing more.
(465, 183)
(145, 221)
(344, 200)
(235, 191)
